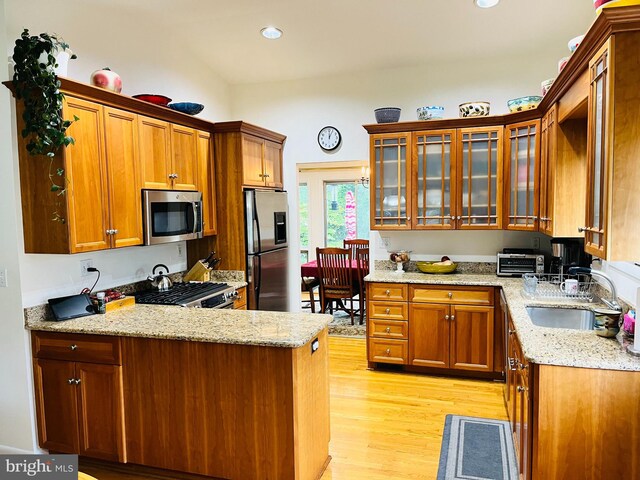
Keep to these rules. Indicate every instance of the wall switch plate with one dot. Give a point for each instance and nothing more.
(84, 265)
(180, 251)
(384, 242)
(3, 278)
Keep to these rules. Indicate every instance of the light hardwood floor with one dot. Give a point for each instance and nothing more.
(386, 425)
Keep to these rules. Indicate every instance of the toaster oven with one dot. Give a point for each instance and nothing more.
(517, 264)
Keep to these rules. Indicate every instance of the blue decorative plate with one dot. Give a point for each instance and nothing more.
(187, 107)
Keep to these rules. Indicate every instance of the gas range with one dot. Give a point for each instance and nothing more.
(192, 294)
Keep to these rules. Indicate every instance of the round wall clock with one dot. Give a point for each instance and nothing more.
(329, 138)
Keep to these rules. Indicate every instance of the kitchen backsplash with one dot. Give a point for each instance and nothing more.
(463, 267)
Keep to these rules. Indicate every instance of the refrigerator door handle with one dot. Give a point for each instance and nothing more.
(256, 223)
(258, 283)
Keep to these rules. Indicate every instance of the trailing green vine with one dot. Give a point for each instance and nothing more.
(38, 87)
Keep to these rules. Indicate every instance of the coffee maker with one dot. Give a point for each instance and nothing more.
(567, 253)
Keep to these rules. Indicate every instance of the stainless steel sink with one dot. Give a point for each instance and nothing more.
(561, 318)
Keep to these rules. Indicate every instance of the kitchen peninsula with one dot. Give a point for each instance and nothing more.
(225, 393)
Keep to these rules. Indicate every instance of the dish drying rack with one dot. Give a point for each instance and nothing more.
(548, 287)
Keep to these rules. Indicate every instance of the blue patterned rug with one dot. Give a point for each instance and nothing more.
(478, 449)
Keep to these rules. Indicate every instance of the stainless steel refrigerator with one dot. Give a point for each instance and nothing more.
(267, 224)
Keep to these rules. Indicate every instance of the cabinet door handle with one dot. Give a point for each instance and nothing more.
(77, 381)
(511, 332)
(73, 347)
(115, 231)
(387, 311)
(453, 317)
(520, 389)
(523, 366)
(446, 317)
(582, 229)
(71, 381)
(266, 175)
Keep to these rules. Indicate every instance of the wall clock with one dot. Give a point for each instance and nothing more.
(329, 138)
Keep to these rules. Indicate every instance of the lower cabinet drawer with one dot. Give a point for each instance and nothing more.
(240, 303)
(388, 351)
(388, 310)
(453, 295)
(388, 329)
(76, 347)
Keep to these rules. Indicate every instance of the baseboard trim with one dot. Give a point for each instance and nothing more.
(7, 450)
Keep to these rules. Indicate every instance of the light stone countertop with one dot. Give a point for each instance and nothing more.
(542, 345)
(242, 327)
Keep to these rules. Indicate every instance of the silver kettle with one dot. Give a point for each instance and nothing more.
(160, 280)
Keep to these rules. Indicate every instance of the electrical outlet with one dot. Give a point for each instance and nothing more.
(180, 250)
(84, 265)
(3, 278)
(384, 242)
(535, 243)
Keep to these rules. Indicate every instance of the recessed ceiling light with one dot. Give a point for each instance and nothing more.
(486, 3)
(272, 33)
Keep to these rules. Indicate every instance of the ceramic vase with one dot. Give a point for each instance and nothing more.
(107, 79)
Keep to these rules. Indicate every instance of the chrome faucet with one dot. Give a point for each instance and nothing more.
(613, 303)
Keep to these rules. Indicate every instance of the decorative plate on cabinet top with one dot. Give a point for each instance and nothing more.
(187, 107)
(153, 98)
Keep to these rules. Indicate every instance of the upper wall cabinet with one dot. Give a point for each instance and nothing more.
(119, 149)
(262, 162)
(522, 172)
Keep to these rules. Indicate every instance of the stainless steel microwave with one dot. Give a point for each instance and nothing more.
(171, 216)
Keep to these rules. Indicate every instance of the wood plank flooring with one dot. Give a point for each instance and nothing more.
(384, 425)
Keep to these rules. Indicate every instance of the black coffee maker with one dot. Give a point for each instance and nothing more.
(567, 253)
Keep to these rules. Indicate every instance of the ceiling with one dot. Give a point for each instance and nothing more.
(336, 37)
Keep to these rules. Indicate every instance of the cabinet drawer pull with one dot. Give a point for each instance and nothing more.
(450, 295)
(520, 389)
(388, 329)
(511, 332)
(388, 292)
(387, 311)
(73, 347)
(388, 351)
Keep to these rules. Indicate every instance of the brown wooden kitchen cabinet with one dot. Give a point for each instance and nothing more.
(548, 157)
(521, 176)
(168, 155)
(262, 162)
(206, 183)
(79, 404)
(431, 326)
(240, 303)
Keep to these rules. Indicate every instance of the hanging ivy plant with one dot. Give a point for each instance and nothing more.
(38, 87)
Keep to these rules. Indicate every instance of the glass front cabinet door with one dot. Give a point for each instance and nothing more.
(434, 187)
(391, 181)
(479, 170)
(598, 153)
(522, 171)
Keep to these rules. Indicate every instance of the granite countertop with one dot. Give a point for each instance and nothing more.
(242, 327)
(542, 345)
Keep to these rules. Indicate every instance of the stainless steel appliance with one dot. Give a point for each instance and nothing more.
(171, 216)
(266, 226)
(514, 262)
(194, 295)
(568, 253)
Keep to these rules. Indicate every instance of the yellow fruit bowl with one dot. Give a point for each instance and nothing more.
(431, 267)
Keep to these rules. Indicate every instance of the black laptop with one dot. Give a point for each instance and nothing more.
(73, 306)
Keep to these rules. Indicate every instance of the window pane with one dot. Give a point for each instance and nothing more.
(346, 212)
(303, 202)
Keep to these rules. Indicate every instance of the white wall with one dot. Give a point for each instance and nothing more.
(299, 109)
(16, 427)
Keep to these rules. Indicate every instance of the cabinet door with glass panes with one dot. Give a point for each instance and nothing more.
(479, 173)
(391, 181)
(434, 185)
(521, 176)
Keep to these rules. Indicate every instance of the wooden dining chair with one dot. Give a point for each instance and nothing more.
(336, 278)
(362, 259)
(354, 245)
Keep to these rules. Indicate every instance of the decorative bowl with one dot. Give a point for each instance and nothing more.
(430, 267)
(600, 4)
(546, 85)
(430, 113)
(187, 107)
(474, 109)
(562, 63)
(524, 103)
(153, 98)
(575, 42)
(387, 114)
